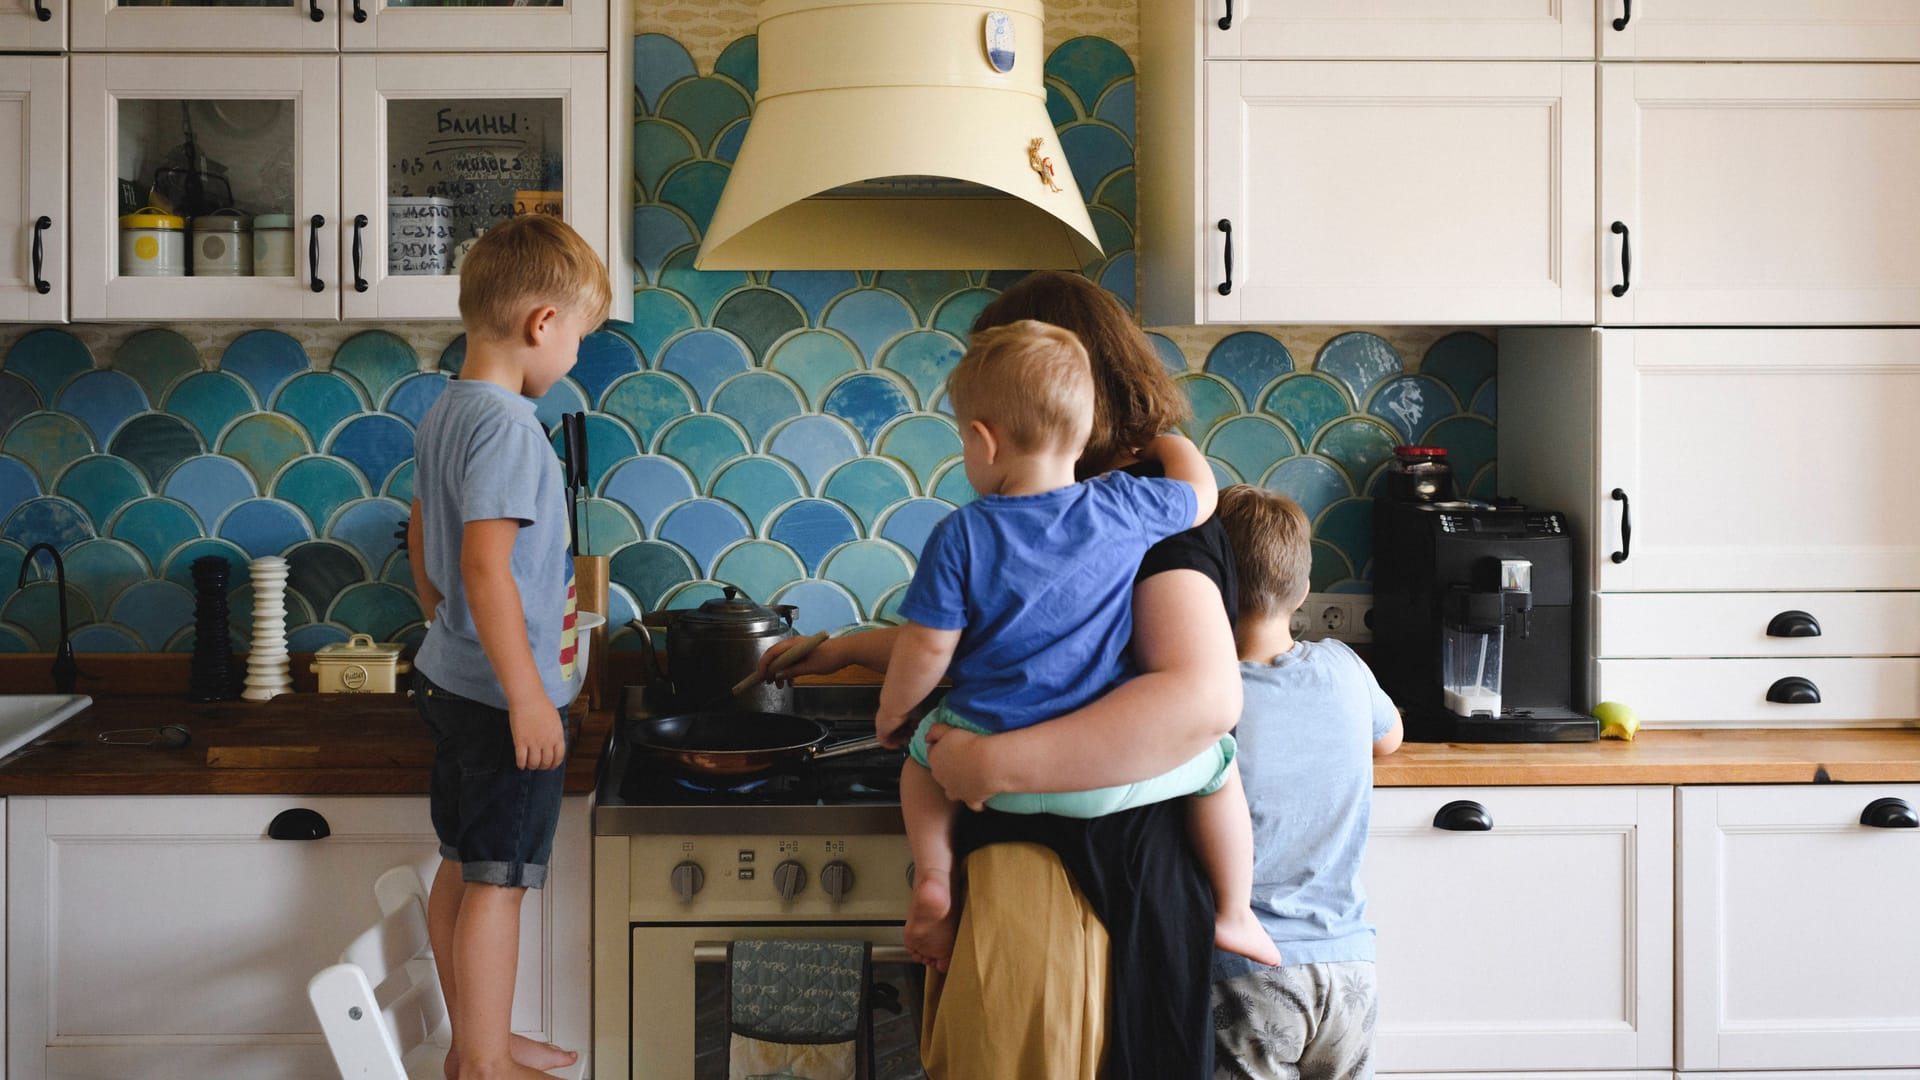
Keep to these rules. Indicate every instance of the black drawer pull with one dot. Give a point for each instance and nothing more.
(359, 282)
(1793, 624)
(313, 6)
(1626, 7)
(1890, 813)
(359, 13)
(313, 252)
(1626, 258)
(1463, 815)
(1794, 690)
(1626, 526)
(1226, 286)
(1226, 21)
(40, 284)
(298, 823)
(40, 11)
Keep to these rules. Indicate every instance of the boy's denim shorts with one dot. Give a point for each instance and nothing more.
(492, 817)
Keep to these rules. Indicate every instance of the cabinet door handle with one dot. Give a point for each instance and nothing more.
(1226, 286)
(359, 283)
(1626, 258)
(1226, 21)
(1463, 815)
(40, 226)
(298, 823)
(313, 252)
(359, 13)
(1793, 624)
(1890, 813)
(40, 11)
(314, 12)
(1626, 525)
(1626, 15)
(1793, 690)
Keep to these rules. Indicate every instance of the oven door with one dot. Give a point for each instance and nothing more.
(680, 975)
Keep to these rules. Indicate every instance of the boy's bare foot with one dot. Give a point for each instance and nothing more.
(534, 1055)
(1240, 932)
(932, 921)
(508, 1070)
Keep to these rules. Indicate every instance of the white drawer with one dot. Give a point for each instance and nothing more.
(1758, 624)
(1692, 693)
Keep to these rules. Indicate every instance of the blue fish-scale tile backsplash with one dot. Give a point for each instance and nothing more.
(786, 432)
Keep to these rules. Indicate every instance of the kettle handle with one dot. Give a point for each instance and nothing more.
(787, 612)
(647, 646)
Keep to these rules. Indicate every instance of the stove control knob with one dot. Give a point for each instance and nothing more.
(837, 878)
(688, 878)
(789, 878)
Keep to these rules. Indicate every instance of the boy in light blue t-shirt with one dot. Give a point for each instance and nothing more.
(1312, 722)
(1024, 598)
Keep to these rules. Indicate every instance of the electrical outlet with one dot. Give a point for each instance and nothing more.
(1335, 615)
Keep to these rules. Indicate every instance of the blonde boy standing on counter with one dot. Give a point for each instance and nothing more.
(495, 675)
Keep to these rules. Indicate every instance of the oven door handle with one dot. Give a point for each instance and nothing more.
(715, 952)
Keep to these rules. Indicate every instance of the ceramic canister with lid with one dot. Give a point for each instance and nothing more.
(223, 244)
(153, 243)
(273, 245)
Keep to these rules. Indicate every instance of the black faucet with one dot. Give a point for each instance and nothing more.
(65, 669)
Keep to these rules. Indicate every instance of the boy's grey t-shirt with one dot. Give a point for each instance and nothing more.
(480, 454)
(1306, 738)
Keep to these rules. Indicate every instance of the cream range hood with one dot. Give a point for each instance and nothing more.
(900, 135)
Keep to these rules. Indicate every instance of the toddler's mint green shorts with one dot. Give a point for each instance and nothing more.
(1203, 775)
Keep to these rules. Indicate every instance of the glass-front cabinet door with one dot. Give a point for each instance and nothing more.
(441, 148)
(205, 187)
(472, 25)
(33, 201)
(38, 25)
(205, 25)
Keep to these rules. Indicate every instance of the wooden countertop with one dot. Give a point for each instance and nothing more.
(296, 744)
(1663, 757)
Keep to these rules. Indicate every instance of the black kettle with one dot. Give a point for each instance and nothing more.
(712, 647)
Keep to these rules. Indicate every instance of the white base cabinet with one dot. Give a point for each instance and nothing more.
(165, 937)
(1797, 944)
(1542, 942)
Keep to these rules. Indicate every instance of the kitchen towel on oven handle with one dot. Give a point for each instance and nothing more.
(799, 1009)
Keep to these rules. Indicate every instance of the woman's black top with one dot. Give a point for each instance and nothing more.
(1140, 876)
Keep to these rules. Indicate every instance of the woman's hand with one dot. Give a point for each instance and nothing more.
(823, 660)
(962, 763)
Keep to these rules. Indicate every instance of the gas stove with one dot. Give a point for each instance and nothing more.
(859, 793)
(681, 868)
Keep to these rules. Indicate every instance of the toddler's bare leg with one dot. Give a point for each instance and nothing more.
(1221, 830)
(486, 950)
(443, 912)
(932, 918)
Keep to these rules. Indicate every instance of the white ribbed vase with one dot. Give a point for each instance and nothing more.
(268, 670)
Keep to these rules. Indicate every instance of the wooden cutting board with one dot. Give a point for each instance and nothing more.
(416, 754)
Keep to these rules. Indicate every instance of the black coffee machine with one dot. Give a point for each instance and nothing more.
(1473, 621)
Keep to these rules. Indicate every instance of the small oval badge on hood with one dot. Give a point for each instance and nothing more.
(999, 35)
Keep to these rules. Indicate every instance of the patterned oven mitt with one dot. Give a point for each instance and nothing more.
(798, 1010)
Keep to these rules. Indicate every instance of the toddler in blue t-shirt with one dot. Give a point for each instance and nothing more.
(1024, 598)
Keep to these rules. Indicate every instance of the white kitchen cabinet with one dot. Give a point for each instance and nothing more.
(472, 27)
(1796, 950)
(1756, 624)
(38, 25)
(33, 201)
(1746, 460)
(1760, 194)
(1750, 30)
(1826, 691)
(163, 937)
(273, 122)
(1542, 942)
(1492, 224)
(1412, 29)
(424, 127)
(206, 26)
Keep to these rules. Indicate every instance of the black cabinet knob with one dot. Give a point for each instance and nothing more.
(298, 823)
(1463, 815)
(1793, 624)
(1890, 813)
(1793, 690)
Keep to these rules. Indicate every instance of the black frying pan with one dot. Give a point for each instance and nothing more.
(734, 744)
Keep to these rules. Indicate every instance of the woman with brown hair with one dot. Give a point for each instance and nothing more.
(1084, 944)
